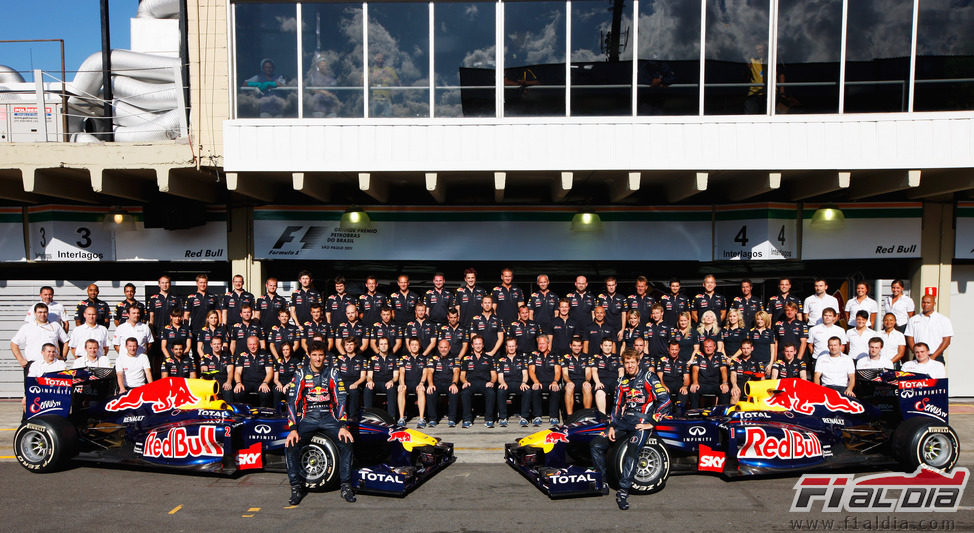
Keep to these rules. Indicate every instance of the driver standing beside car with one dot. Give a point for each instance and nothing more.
(641, 401)
(316, 403)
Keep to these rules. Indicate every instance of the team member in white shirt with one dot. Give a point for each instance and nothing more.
(49, 362)
(862, 302)
(876, 359)
(836, 371)
(818, 336)
(93, 357)
(133, 328)
(817, 303)
(859, 337)
(929, 327)
(901, 306)
(894, 343)
(27, 342)
(55, 311)
(132, 368)
(923, 364)
(89, 330)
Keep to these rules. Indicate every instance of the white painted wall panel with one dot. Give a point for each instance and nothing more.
(960, 364)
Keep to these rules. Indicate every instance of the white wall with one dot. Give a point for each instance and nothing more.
(960, 365)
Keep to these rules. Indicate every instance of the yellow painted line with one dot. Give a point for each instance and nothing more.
(8, 429)
(291, 507)
(8, 456)
(479, 449)
(176, 509)
(253, 509)
(246, 516)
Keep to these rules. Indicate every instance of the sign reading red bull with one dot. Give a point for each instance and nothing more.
(178, 444)
(802, 396)
(792, 445)
(164, 394)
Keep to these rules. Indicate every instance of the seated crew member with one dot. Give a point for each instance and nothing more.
(708, 375)
(512, 379)
(382, 373)
(217, 364)
(477, 375)
(49, 362)
(745, 369)
(93, 357)
(923, 364)
(442, 377)
(253, 373)
(175, 333)
(875, 358)
(544, 369)
(836, 370)
(790, 365)
(412, 370)
(674, 374)
(132, 368)
(605, 369)
(180, 365)
(284, 370)
(576, 374)
(351, 369)
(316, 403)
(641, 402)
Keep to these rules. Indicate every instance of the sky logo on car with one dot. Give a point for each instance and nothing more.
(250, 457)
(178, 444)
(164, 394)
(802, 396)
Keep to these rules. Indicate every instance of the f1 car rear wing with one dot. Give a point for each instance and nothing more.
(49, 394)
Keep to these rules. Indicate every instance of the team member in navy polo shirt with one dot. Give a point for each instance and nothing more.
(104, 312)
(614, 304)
(284, 333)
(122, 308)
(353, 328)
(525, 331)
(674, 304)
(489, 326)
(303, 297)
(254, 373)
(709, 375)
(234, 299)
(675, 376)
(777, 303)
(174, 333)
(336, 303)
(746, 303)
(575, 373)
(160, 306)
(477, 375)
(412, 373)
(709, 300)
(403, 303)
(317, 328)
(371, 303)
(423, 329)
(640, 300)
(605, 370)
(268, 305)
(563, 328)
(791, 330)
(507, 297)
(632, 331)
(543, 305)
(656, 333)
(382, 375)
(582, 303)
(512, 379)
(466, 300)
(544, 369)
(442, 377)
(385, 329)
(598, 330)
(245, 328)
(199, 304)
(455, 334)
(438, 300)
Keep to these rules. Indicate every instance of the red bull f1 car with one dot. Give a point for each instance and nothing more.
(181, 424)
(782, 426)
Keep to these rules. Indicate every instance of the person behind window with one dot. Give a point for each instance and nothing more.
(381, 75)
(320, 102)
(266, 82)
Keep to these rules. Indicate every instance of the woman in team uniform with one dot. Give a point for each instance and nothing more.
(732, 335)
(686, 336)
(633, 329)
(210, 330)
(709, 328)
(763, 339)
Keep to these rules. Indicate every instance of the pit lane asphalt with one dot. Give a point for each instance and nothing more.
(478, 493)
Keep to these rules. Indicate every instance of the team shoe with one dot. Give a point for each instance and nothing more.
(466, 424)
(536, 421)
(421, 424)
(502, 423)
(524, 422)
(451, 424)
(553, 421)
(489, 424)
(347, 493)
(401, 422)
(622, 500)
(297, 494)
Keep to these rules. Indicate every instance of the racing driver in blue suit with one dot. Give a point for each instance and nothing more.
(641, 401)
(316, 402)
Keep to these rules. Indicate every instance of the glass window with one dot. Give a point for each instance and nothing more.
(809, 50)
(464, 59)
(669, 57)
(332, 49)
(601, 58)
(398, 60)
(737, 56)
(945, 56)
(534, 58)
(267, 53)
(877, 65)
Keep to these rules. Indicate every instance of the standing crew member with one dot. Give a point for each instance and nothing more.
(235, 299)
(507, 298)
(316, 402)
(336, 304)
(122, 308)
(421, 328)
(816, 304)
(240, 331)
(351, 328)
(581, 302)
(641, 402)
(371, 304)
(639, 301)
(862, 302)
(778, 302)
(438, 300)
(160, 307)
(543, 305)
(199, 304)
(747, 304)
(303, 297)
(614, 305)
(674, 304)
(563, 328)
(489, 326)
(403, 303)
(26, 344)
(709, 300)
(525, 330)
(270, 304)
(104, 312)
(467, 299)
(455, 334)
(55, 311)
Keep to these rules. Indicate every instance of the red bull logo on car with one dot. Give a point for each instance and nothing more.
(401, 436)
(554, 437)
(792, 445)
(178, 444)
(802, 396)
(164, 395)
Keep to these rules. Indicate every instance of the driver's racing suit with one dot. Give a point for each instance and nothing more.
(316, 403)
(640, 399)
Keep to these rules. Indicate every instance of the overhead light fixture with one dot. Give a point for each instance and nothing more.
(586, 221)
(119, 219)
(828, 217)
(355, 218)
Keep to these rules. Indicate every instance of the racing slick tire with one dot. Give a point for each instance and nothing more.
(319, 463)
(373, 414)
(45, 443)
(652, 466)
(585, 415)
(924, 441)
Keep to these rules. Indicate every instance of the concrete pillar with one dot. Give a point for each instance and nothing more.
(937, 252)
(240, 249)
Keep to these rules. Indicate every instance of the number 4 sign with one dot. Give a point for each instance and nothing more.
(755, 232)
